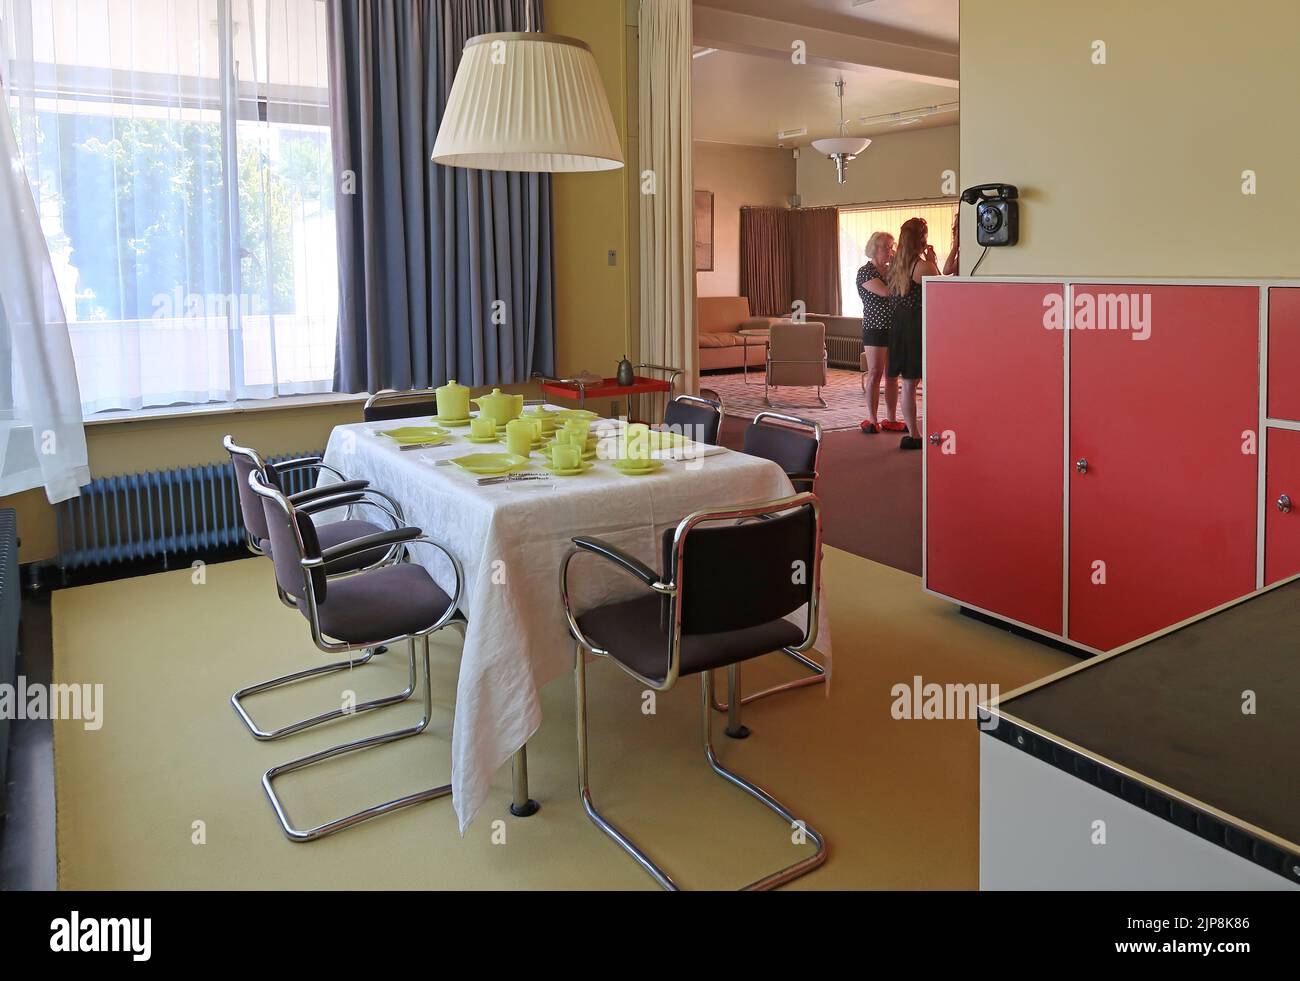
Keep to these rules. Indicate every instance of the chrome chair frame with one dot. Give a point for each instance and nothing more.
(394, 395)
(406, 537)
(649, 578)
(394, 554)
(818, 671)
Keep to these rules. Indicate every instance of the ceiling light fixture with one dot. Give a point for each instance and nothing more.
(843, 148)
(529, 102)
(910, 114)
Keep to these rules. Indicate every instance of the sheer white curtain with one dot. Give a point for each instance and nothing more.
(667, 215)
(179, 153)
(857, 225)
(42, 440)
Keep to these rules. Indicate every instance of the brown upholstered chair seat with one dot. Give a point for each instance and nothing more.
(390, 602)
(631, 631)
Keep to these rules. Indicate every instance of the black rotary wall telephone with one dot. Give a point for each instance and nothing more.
(997, 213)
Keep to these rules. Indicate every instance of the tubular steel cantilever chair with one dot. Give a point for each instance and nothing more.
(796, 358)
(347, 493)
(798, 453)
(721, 601)
(691, 414)
(392, 404)
(377, 606)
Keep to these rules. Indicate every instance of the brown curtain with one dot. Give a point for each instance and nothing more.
(765, 261)
(815, 259)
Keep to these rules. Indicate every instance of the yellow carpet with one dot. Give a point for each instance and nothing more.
(897, 800)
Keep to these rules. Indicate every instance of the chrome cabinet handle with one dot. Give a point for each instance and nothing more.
(1081, 465)
(936, 438)
(1284, 504)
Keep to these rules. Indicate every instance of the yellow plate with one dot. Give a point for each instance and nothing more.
(491, 463)
(451, 422)
(416, 434)
(577, 414)
(637, 468)
(483, 439)
(583, 468)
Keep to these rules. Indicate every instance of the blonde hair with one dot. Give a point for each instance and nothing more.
(875, 242)
(911, 243)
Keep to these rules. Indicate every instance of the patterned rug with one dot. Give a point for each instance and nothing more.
(845, 403)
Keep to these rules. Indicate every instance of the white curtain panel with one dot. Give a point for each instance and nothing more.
(667, 232)
(42, 439)
(179, 152)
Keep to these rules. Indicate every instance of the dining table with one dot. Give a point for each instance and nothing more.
(510, 539)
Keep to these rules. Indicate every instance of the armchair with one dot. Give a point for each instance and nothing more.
(796, 358)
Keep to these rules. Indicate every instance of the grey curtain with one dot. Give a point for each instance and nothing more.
(425, 251)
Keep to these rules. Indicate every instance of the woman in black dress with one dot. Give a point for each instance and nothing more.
(877, 314)
(914, 261)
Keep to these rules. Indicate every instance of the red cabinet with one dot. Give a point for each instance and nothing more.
(1095, 475)
(1282, 506)
(1284, 353)
(993, 467)
(1163, 513)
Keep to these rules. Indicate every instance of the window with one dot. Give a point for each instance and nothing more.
(857, 225)
(179, 151)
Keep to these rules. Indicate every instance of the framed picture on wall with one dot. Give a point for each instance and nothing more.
(704, 231)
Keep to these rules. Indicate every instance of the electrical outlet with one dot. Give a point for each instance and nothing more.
(613, 257)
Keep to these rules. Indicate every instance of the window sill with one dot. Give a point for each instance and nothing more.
(128, 416)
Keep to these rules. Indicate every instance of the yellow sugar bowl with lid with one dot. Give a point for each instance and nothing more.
(453, 401)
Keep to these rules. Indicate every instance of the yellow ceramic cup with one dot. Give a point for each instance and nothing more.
(581, 428)
(566, 457)
(637, 438)
(482, 428)
(519, 437)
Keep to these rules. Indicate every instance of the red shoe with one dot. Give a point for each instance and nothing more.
(894, 427)
(869, 427)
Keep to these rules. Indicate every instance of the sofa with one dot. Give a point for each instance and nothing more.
(719, 320)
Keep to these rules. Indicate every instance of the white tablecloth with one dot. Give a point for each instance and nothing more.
(511, 540)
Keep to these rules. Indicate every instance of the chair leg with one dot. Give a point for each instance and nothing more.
(818, 677)
(584, 789)
(792, 871)
(331, 827)
(265, 735)
(735, 729)
(623, 841)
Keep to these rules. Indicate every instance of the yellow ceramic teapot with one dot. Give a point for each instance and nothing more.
(500, 407)
(453, 401)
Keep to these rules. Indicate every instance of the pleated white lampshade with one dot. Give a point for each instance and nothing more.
(528, 102)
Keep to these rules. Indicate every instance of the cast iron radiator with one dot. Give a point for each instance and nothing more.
(10, 604)
(157, 515)
(844, 352)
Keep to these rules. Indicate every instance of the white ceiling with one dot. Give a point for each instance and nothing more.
(747, 99)
(925, 23)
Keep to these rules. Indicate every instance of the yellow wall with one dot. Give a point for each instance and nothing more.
(1134, 167)
(737, 176)
(905, 166)
(593, 299)
(594, 304)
